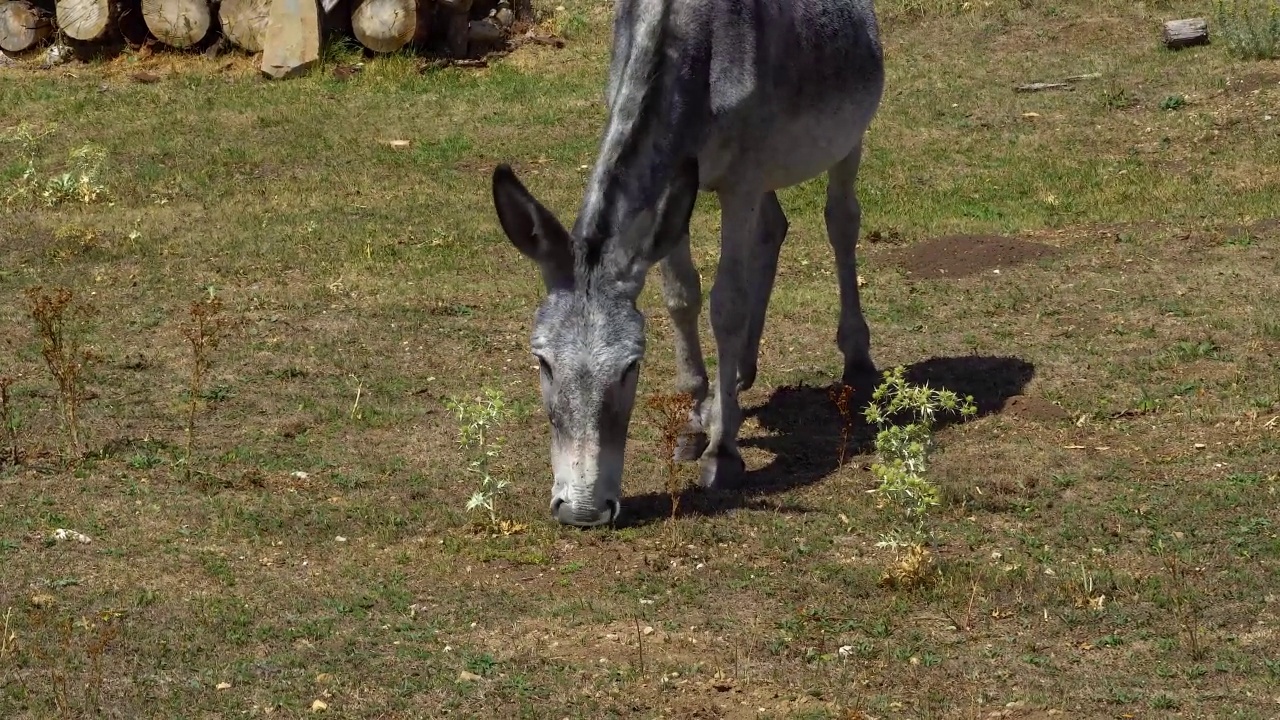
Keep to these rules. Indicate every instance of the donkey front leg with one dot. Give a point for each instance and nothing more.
(682, 293)
(844, 217)
(722, 464)
(771, 231)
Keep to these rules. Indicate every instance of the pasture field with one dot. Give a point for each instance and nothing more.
(1099, 266)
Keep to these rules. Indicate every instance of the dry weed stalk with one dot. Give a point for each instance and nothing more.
(203, 332)
(75, 697)
(670, 412)
(60, 344)
(840, 395)
(1184, 607)
(9, 419)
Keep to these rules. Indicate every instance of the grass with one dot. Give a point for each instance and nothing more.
(330, 555)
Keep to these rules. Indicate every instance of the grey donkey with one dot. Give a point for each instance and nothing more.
(736, 97)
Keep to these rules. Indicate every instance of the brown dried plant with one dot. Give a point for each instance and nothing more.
(61, 345)
(203, 331)
(841, 394)
(8, 420)
(670, 412)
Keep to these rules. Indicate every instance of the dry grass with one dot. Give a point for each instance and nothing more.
(332, 558)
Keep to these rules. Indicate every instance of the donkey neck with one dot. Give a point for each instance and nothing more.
(654, 121)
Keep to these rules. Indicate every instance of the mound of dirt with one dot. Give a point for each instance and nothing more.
(1026, 407)
(955, 256)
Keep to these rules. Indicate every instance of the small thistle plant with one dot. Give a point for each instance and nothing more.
(477, 432)
(80, 183)
(903, 451)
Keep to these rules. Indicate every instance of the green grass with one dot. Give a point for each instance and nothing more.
(324, 552)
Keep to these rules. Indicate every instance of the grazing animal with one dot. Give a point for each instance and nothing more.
(736, 97)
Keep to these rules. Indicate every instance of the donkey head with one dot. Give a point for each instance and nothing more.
(589, 339)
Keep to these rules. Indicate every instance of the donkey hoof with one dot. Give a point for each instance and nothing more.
(746, 378)
(863, 378)
(722, 471)
(689, 446)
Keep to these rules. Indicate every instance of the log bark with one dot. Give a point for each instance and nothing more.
(291, 45)
(23, 26)
(244, 22)
(178, 23)
(459, 26)
(1186, 33)
(86, 20)
(388, 25)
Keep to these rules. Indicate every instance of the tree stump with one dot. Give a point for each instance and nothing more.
(1186, 33)
(23, 26)
(385, 26)
(244, 22)
(86, 20)
(291, 44)
(178, 23)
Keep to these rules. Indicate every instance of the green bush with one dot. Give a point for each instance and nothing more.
(1250, 28)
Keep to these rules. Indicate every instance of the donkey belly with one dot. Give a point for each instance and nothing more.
(785, 152)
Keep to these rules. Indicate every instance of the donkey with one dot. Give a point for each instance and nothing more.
(736, 97)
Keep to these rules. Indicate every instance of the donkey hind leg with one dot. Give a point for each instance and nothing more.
(722, 464)
(770, 234)
(682, 293)
(843, 218)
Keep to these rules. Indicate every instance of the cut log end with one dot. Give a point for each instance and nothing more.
(178, 23)
(388, 25)
(291, 44)
(1187, 32)
(23, 26)
(244, 22)
(85, 20)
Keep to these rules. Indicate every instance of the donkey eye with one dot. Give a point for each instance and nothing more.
(631, 369)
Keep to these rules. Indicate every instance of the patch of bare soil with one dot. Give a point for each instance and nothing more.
(1253, 82)
(955, 256)
(1027, 407)
(1266, 228)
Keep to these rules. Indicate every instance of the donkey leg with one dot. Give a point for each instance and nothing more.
(844, 217)
(771, 232)
(682, 293)
(722, 464)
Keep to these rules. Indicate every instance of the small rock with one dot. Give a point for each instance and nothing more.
(64, 534)
(466, 676)
(42, 601)
(146, 78)
(56, 55)
(223, 686)
(648, 630)
(319, 706)
(6, 61)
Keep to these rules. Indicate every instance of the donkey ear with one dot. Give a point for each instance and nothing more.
(532, 228)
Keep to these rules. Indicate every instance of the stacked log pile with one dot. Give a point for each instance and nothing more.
(287, 33)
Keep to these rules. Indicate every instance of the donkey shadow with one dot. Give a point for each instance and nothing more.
(805, 435)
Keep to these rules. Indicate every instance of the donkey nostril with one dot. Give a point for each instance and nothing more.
(613, 508)
(555, 507)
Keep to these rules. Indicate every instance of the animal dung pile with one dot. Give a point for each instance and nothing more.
(288, 33)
